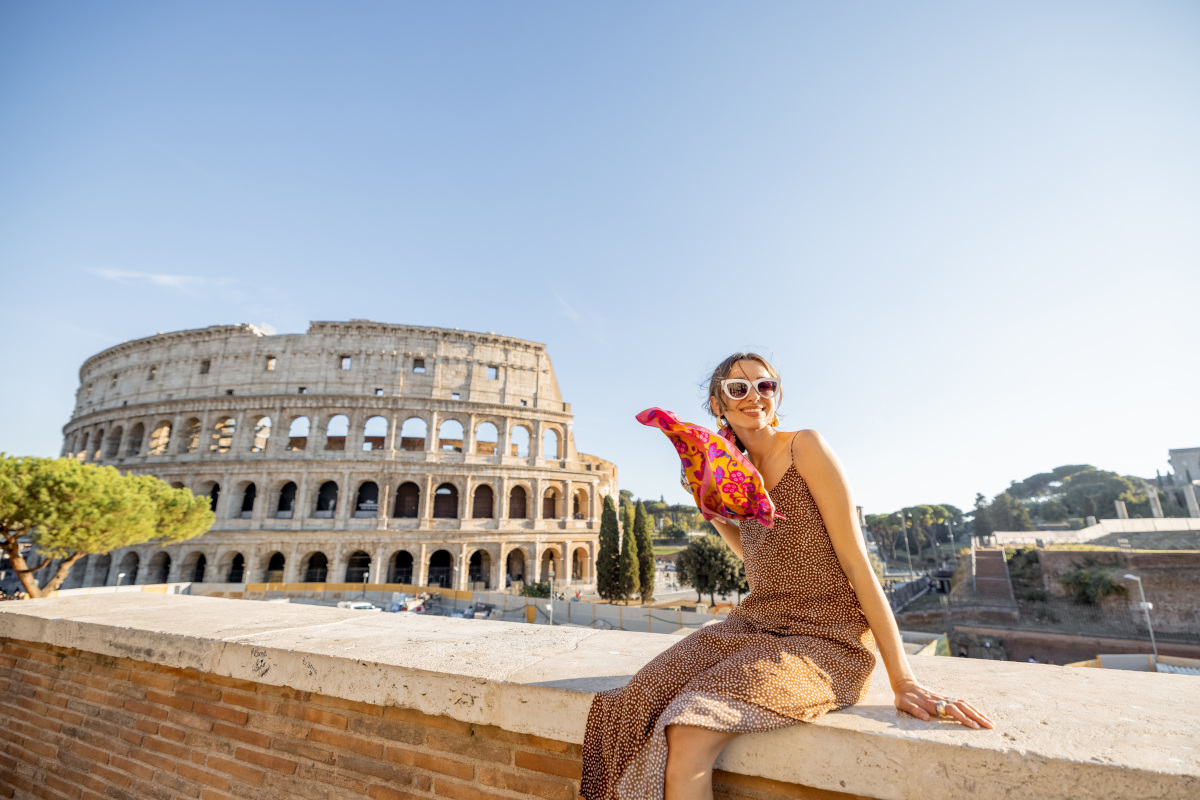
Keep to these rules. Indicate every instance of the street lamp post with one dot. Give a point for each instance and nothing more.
(1145, 607)
(907, 552)
(550, 602)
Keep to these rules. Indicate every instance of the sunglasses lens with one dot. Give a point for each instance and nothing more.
(737, 389)
(766, 388)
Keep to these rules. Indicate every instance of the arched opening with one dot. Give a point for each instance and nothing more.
(249, 493)
(413, 433)
(262, 435)
(514, 567)
(519, 446)
(222, 435)
(336, 432)
(83, 451)
(326, 500)
(518, 502)
(191, 436)
(159, 568)
(134, 446)
(441, 567)
(450, 436)
(194, 567)
(551, 567)
(112, 447)
(550, 503)
(445, 501)
(358, 567)
(127, 572)
(298, 434)
(98, 445)
(402, 568)
(375, 433)
(274, 570)
(316, 568)
(579, 504)
(366, 505)
(579, 565)
(484, 502)
(160, 439)
(287, 501)
(550, 444)
(213, 491)
(176, 484)
(101, 566)
(487, 437)
(408, 501)
(480, 570)
(237, 569)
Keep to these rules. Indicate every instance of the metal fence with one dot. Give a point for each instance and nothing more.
(901, 594)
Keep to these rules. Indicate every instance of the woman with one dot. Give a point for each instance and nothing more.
(801, 644)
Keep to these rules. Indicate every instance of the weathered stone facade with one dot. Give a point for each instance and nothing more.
(357, 450)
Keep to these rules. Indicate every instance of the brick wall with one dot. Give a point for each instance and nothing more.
(90, 727)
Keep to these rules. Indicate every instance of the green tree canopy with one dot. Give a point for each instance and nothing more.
(607, 566)
(69, 510)
(645, 552)
(628, 579)
(704, 565)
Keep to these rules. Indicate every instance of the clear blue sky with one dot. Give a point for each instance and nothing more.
(968, 234)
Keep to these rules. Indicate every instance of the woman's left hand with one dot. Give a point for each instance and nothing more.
(915, 699)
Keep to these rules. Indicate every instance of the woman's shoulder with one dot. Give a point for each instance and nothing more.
(809, 447)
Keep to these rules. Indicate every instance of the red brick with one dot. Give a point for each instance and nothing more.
(41, 748)
(198, 691)
(167, 748)
(62, 787)
(463, 791)
(366, 709)
(133, 768)
(253, 701)
(174, 734)
(160, 682)
(239, 771)
(241, 734)
(231, 683)
(388, 793)
(154, 759)
(88, 752)
(266, 760)
(235, 715)
(482, 749)
(202, 776)
(296, 747)
(190, 720)
(562, 767)
(172, 700)
(314, 715)
(446, 766)
(109, 775)
(209, 794)
(526, 784)
(417, 718)
(146, 725)
(343, 741)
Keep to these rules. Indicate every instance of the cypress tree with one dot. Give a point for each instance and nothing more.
(645, 549)
(627, 580)
(607, 558)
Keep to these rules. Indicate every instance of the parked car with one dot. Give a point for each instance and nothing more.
(358, 605)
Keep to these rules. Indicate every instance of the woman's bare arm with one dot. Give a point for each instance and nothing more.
(730, 533)
(823, 473)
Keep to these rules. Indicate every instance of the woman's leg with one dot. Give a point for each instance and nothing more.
(691, 752)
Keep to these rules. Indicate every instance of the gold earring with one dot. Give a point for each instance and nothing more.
(721, 423)
(774, 420)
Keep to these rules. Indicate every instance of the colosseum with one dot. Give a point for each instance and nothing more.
(358, 451)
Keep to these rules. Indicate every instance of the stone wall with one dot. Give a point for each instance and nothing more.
(137, 695)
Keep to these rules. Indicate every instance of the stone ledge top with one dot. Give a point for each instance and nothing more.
(1060, 731)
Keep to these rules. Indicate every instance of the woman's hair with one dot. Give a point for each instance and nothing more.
(722, 372)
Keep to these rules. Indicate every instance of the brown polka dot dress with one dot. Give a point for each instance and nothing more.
(797, 647)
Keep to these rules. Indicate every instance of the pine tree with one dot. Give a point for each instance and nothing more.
(628, 583)
(645, 551)
(607, 566)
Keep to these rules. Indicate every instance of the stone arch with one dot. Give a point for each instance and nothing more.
(483, 504)
(101, 566)
(366, 502)
(262, 435)
(519, 441)
(136, 434)
(518, 503)
(441, 569)
(231, 568)
(550, 500)
(550, 443)
(212, 490)
(160, 439)
(445, 501)
(408, 501)
(516, 564)
(413, 434)
(336, 431)
(158, 570)
(358, 567)
(479, 568)
(222, 435)
(450, 436)
(83, 447)
(314, 568)
(127, 570)
(97, 451)
(273, 567)
(400, 567)
(248, 492)
(581, 565)
(375, 431)
(190, 442)
(487, 438)
(327, 498)
(193, 567)
(580, 505)
(285, 506)
(112, 445)
(550, 558)
(298, 431)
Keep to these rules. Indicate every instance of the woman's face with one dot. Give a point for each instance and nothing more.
(752, 411)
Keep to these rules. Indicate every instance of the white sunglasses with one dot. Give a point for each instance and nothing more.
(738, 388)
